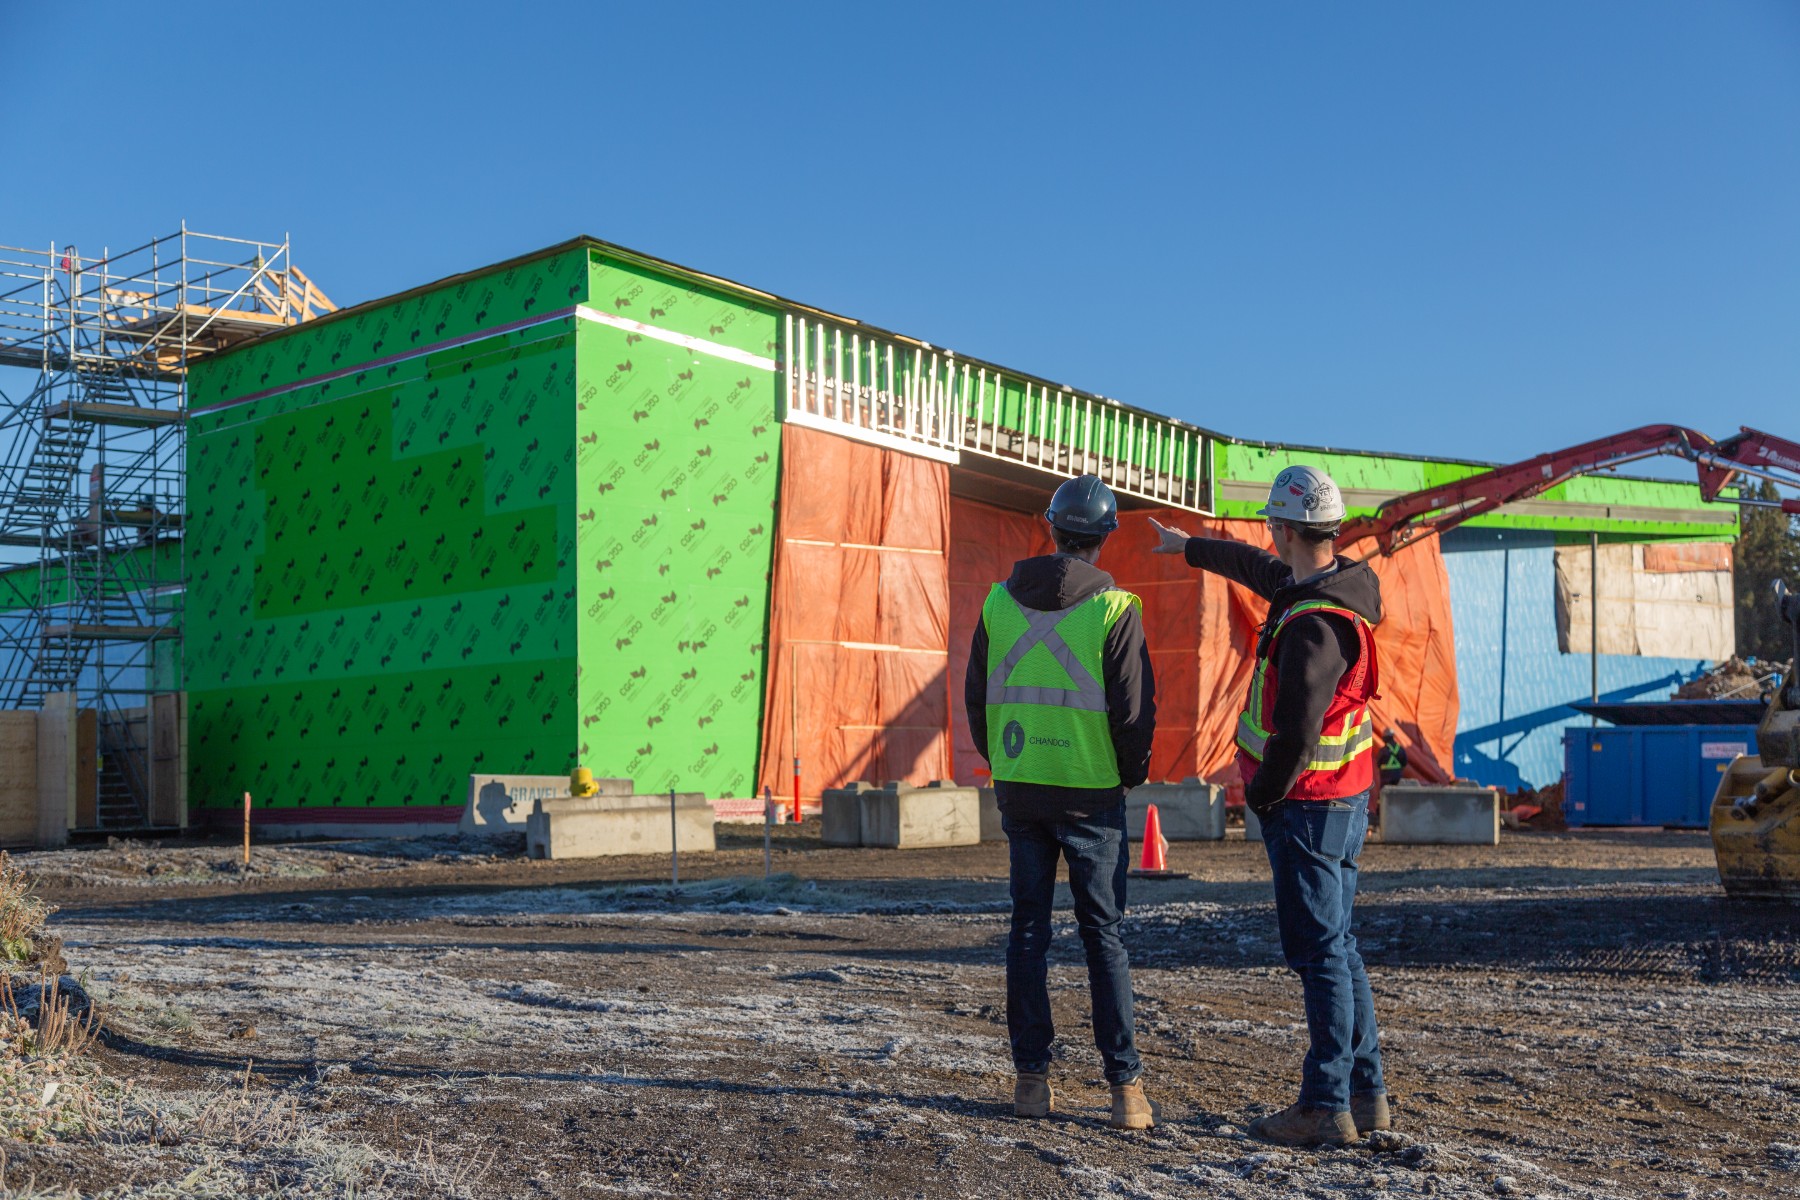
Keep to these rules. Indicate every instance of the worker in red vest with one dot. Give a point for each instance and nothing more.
(1306, 751)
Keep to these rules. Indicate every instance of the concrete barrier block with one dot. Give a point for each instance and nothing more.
(914, 818)
(991, 830)
(1436, 816)
(502, 803)
(604, 826)
(1189, 811)
(840, 810)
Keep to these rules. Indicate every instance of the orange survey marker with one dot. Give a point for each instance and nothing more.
(1155, 864)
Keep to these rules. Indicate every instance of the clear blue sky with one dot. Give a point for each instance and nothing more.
(1472, 230)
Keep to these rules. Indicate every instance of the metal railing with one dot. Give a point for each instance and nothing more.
(141, 309)
(914, 397)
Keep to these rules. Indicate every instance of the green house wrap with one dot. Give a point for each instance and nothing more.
(495, 525)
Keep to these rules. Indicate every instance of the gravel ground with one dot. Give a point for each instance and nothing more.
(1574, 1015)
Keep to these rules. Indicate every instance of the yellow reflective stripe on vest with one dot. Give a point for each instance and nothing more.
(1356, 735)
(1334, 750)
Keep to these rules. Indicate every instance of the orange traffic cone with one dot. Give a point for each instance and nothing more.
(1155, 864)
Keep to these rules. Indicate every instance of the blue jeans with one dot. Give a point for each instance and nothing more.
(1313, 848)
(1096, 852)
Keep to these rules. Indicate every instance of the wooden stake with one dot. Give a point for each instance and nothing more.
(246, 829)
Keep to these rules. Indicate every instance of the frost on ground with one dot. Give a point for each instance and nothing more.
(122, 862)
(819, 1032)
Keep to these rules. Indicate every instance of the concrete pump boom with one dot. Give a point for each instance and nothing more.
(1404, 519)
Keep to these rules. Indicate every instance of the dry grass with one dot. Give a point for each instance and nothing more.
(238, 1119)
(45, 1085)
(23, 942)
(57, 1030)
(449, 1177)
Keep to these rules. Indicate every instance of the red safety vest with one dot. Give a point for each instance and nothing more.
(1343, 763)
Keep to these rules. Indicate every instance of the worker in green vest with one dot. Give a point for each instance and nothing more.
(1391, 761)
(1061, 701)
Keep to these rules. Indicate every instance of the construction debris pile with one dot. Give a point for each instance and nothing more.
(1734, 679)
(1539, 808)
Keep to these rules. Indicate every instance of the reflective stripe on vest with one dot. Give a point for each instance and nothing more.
(1040, 630)
(1355, 733)
(1046, 698)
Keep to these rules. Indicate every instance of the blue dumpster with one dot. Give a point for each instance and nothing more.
(1648, 774)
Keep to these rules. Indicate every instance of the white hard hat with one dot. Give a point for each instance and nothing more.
(1306, 495)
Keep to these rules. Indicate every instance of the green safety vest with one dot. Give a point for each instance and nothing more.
(1046, 696)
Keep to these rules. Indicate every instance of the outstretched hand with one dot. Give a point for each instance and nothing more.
(1174, 541)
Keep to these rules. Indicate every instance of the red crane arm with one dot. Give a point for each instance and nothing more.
(1753, 452)
(1406, 518)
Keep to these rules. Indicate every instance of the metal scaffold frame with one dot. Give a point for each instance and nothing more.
(92, 468)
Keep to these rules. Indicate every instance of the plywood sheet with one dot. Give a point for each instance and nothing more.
(55, 769)
(1660, 613)
(18, 778)
(87, 769)
(167, 780)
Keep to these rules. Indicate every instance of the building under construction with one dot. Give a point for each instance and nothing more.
(587, 507)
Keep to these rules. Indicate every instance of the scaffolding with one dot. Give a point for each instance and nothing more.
(92, 492)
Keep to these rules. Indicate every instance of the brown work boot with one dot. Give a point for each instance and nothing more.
(1369, 1111)
(1131, 1109)
(1303, 1125)
(1032, 1096)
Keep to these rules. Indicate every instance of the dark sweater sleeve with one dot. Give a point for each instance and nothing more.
(1311, 657)
(1257, 570)
(975, 689)
(1130, 696)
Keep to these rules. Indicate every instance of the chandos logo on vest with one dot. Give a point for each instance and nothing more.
(1012, 739)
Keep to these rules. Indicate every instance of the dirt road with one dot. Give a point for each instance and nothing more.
(1565, 1015)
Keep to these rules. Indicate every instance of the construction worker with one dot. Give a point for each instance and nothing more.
(1392, 763)
(1062, 702)
(1305, 749)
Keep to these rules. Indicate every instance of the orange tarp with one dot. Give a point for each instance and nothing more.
(879, 579)
(1677, 557)
(1202, 634)
(859, 617)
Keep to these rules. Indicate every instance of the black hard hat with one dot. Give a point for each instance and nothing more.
(1084, 506)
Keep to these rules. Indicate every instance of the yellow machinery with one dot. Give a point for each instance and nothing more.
(1756, 813)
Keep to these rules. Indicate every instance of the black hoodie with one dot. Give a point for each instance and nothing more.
(1049, 583)
(1314, 651)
